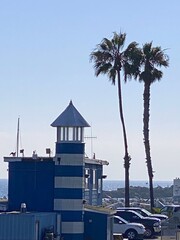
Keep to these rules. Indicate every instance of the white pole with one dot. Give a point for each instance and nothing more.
(17, 138)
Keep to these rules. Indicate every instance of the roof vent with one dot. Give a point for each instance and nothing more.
(23, 208)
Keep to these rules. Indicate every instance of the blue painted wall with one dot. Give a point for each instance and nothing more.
(97, 226)
(19, 226)
(69, 171)
(74, 148)
(31, 182)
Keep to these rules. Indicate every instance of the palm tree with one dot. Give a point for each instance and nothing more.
(109, 58)
(152, 58)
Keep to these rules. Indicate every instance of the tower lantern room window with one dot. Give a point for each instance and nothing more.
(70, 134)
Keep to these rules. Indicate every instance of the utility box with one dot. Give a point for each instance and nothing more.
(98, 223)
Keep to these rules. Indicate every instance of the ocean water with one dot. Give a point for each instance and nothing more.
(108, 185)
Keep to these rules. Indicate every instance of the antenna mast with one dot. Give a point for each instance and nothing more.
(17, 150)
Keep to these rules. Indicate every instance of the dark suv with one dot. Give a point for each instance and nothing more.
(152, 225)
(144, 212)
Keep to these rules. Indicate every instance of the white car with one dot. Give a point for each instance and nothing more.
(128, 230)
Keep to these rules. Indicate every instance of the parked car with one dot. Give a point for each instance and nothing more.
(170, 209)
(152, 225)
(144, 212)
(128, 230)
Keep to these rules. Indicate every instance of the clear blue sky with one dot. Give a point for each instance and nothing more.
(44, 63)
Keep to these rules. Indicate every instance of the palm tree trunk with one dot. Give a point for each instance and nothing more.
(146, 116)
(127, 158)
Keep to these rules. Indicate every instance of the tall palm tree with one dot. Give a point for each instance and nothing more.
(152, 58)
(110, 59)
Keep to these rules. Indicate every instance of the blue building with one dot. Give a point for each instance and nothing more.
(68, 184)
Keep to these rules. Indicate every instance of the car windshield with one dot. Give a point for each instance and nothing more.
(146, 212)
(137, 214)
(121, 219)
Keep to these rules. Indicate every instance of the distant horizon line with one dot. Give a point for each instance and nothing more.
(144, 180)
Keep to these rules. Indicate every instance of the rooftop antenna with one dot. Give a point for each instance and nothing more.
(17, 147)
(18, 141)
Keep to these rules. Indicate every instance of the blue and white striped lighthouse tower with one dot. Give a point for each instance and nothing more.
(69, 172)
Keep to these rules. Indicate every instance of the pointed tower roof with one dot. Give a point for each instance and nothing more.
(70, 117)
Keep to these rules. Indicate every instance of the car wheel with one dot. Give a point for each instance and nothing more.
(148, 233)
(131, 234)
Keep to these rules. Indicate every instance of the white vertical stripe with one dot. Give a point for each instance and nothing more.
(58, 225)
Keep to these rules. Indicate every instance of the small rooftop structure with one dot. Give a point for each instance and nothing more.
(70, 117)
